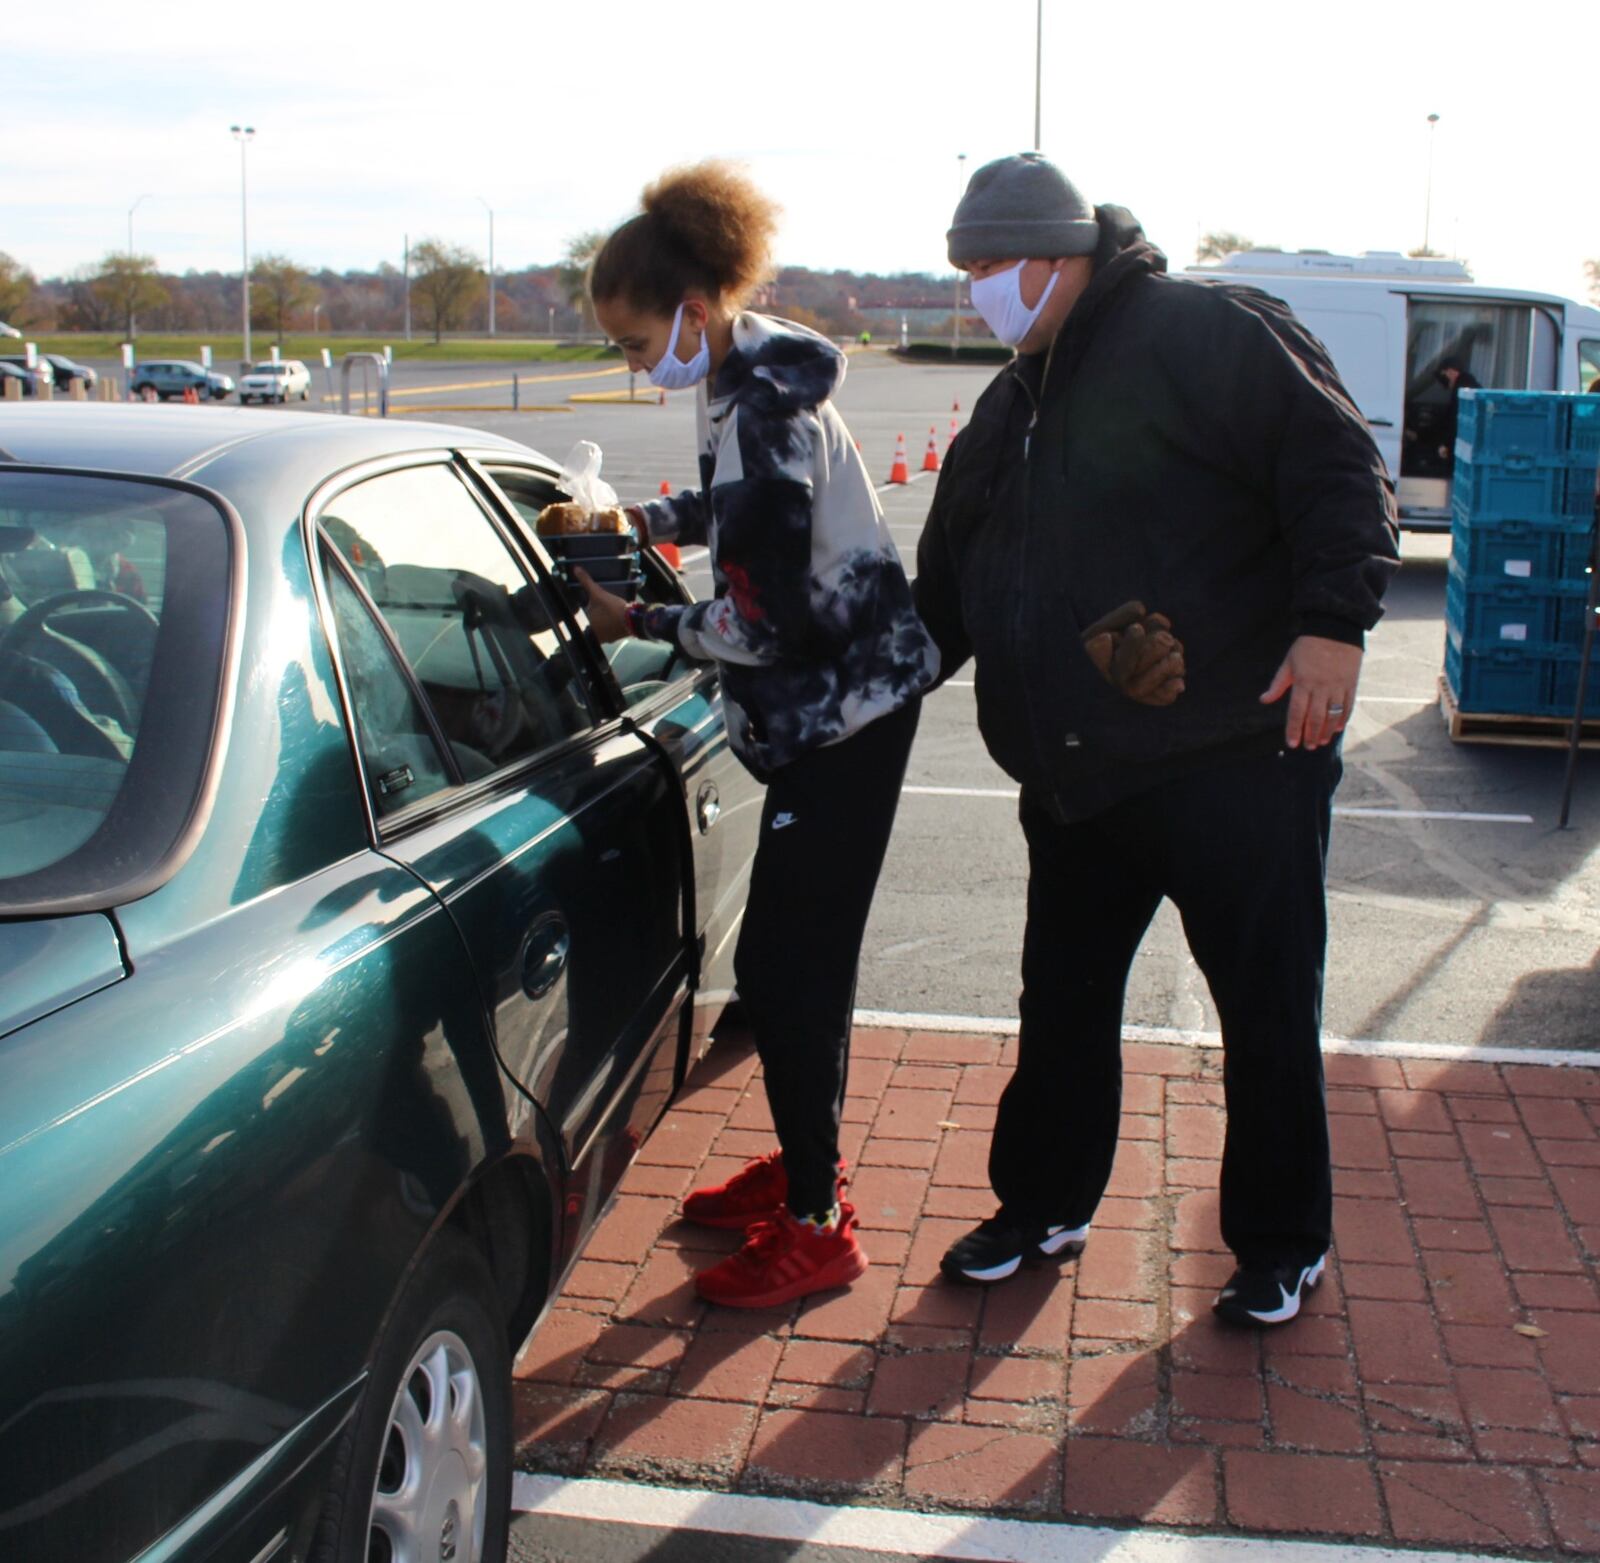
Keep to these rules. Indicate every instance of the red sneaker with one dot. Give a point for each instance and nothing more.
(755, 1193)
(783, 1259)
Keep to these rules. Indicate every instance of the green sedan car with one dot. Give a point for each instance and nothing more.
(359, 915)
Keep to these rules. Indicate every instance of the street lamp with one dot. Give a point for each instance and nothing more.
(490, 210)
(1427, 206)
(133, 325)
(1038, 71)
(244, 135)
(961, 190)
(552, 310)
(316, 310)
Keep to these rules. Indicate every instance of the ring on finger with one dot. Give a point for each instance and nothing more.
(1335, 710)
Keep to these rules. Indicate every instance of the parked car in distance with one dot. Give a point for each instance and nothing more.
(69, 369)
(169, 377)
(359, 916)
(276, 381)
(21, 376)
(41, 369)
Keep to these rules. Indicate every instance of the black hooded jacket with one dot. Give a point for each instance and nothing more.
(1188, 445)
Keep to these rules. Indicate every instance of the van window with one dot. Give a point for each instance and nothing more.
(1456, 345)
(1589, 365)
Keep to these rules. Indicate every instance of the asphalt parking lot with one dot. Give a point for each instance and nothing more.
(1459, 914)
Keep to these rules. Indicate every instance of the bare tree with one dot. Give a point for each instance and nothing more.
(1591, 269)
(1220, 243)
(1425, 252)
(573, 272)
(128, 286)
(17, 284)
(446, 280)
(280, 288)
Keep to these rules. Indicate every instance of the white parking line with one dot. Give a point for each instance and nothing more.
(1174, 1036)
(916, 477)
(1465, 817)
(901, 1533)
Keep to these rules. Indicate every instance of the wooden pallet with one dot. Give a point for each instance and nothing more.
(1526, 732)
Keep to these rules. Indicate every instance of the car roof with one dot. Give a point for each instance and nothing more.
(165, 442)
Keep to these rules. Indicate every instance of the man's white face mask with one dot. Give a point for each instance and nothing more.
(998, 298)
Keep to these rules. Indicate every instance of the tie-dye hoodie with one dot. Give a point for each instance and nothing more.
(812, 623)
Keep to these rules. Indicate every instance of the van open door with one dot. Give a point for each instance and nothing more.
(1452, 345)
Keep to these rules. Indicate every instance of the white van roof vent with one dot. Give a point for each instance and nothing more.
(1370, 263)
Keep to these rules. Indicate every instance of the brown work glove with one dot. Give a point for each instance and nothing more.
(1137, 652)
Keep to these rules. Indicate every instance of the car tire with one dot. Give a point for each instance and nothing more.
(447, 1327)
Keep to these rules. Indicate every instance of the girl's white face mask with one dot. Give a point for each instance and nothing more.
(998, 298)
(670, 372)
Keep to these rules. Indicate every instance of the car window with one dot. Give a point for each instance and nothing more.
(399, 752)
(113, 611)
(470, 624)
(1589, 366)
(642, 667)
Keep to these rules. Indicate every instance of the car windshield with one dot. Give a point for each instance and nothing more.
(113, 616)
(270, 369)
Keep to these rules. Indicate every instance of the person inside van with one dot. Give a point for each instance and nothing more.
(1455, 377)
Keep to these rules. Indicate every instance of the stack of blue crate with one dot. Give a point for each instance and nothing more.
(1522, 512)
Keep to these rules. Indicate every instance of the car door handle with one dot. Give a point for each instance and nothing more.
(544, 954)
(707, 808)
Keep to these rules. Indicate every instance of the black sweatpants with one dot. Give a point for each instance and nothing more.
(1241, 850)
(824, 831)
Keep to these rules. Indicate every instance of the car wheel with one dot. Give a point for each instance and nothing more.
(424, 1470)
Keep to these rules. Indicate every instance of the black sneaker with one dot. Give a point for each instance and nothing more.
(1266, 1296)
(997, 1248)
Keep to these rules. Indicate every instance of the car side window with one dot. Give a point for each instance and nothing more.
(470, 624)
(643, 668)
(398, 751)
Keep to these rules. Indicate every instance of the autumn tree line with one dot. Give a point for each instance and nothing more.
(449, 293)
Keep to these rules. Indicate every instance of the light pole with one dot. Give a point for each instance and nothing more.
(552, 310)
(133, 325)
(244, 135)
(490, 210)
(961, 190)
(1427, 205)
(316, 310)
(407, 268)
(1038, 71)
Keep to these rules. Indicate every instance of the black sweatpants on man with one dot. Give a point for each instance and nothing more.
(1241, 849)
(824, 831)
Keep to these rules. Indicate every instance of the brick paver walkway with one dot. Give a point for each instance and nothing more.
(1443, 1387)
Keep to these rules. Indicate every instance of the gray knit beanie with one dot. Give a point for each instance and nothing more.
(1021, 208)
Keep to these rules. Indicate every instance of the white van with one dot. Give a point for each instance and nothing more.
(1391, 321)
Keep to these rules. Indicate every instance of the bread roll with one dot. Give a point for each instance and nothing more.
(612, 520)
(559, 520)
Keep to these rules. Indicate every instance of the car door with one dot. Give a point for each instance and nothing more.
(678, 704)
(551, 832)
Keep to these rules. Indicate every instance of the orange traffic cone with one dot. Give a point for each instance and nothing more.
(191, 397)
(955, 406)
(898, 473)
(669, 552)
(930, 457)
(666, 487)
(951, 441)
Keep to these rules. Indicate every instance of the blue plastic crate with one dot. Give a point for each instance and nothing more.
(1525, 615)
(1583, 425)
(1563, 692)
(1579, 499)
(1506, 422)
(1571, 617)
(1515, 486)
(1498, 551)
(1574, 555)
(1513, 683)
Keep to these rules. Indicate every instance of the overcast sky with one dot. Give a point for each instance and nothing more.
(1295, 124)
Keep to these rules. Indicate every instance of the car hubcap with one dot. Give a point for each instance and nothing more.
(428, 1502)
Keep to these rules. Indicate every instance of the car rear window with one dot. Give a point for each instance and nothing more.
(114, 610)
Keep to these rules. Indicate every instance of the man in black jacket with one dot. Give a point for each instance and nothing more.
(1187, 446)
